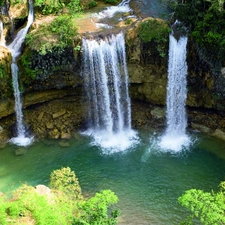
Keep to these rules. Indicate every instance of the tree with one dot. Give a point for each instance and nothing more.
(63, 205)
(208, 207)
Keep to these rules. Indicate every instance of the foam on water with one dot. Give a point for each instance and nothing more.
(113, 142)
(174, 143)
(22, 140)
(109, 12)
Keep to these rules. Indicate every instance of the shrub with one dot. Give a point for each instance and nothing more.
(55, 6)
(65, 180)
(92, 4)
(57, 35)
(157, 31)
(208, 207)
(64, 205)
(205, 20)
(112, 2)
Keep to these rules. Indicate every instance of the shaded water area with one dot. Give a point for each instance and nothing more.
(146, 180)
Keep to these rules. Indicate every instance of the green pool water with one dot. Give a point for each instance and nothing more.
(147, 181)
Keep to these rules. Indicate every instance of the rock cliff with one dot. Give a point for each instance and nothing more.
(54, 100)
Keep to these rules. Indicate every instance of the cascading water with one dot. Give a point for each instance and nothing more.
(109, 12)
(175, 136)
(2, 39)
(15, 48)
(106, 80)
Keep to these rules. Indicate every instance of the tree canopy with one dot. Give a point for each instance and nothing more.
(63, 204)
(208, 207)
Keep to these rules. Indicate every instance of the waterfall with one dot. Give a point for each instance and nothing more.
(175, 136)
(106, 80)
(109, 12)
(15, 48)
(2, 39)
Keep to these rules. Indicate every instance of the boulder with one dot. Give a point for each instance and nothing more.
(42, 190)
(65, 135)
(64, 144)
(21, 151)
(219, 134)
(58, 114)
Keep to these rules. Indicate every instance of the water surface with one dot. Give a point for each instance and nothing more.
(147, 181)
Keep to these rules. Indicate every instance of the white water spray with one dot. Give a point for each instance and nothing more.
(106, 80)
(110, 11)
(175, 137)
(15, 48)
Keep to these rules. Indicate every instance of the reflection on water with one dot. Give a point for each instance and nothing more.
(146, 180)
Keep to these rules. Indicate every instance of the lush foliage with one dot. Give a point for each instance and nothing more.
(65, 180)
(112, 2)
(57, 35)
(206, 22)
(56, 6)
(63, 205)
(2, 71)
(52, 6)
(5, 82)
(209, 207)
(157, 31)
(2, 2)
(92, 4)
(26, 63)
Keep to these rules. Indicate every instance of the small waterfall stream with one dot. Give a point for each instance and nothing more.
(15, 48)
(2, 39)
(175, 136)
(106, 80)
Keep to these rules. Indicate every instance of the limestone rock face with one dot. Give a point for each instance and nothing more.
(147, 70)
(5, 59)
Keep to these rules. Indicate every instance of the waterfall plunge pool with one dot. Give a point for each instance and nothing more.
(147, 181)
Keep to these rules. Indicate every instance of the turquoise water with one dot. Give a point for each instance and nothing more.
(147, 181)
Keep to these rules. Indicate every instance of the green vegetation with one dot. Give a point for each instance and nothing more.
(205, 20)
(26, 64)
(2, 71)
(52, 6)
(57, 35)
(63, 205)
(92, 4)
(208, 207)
(2, 2)
(112, 2)
(157, 31)
(6, 90)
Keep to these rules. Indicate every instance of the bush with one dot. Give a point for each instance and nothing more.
(65, 180)
(92, 4)
(55, 6)
(57, 35)
(206, 23)
(157, 31)
(112, 2)
(208, 207)
(64, 205)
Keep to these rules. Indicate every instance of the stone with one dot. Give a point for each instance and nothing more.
(64, 144)
(201, 128)
(49, 125)
(42, 189)
(58, 114)
(219, 134)
(20, 151)
(158, 113)
(54, 134)
(2, 145)
(65, 135)
(40, 116)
